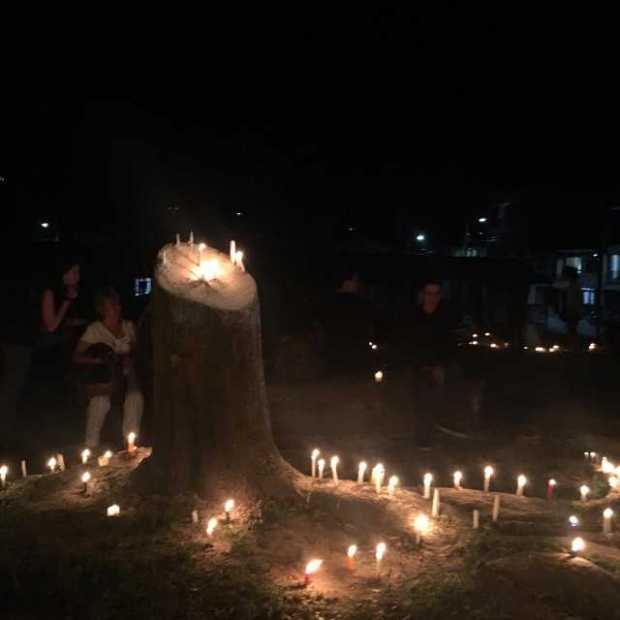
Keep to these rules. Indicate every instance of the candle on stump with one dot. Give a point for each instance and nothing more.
(584, 490)
(378, 376)
(428, 479)
(351, 553)
(113, 511)
(550, 488)
(195, 517)
(392, 484)
(594, 456)
(233, 252)
(374, 347)
(311, 568)
(85, 456)
(52, 463)
(476, 519)
(607, 467)
(104, 459)
(487, 334)
(178, 241)
(378, 473)
(191, 237)
(421, 526)
(435, 507)
(361, 470)
(229, 506)
(379, 553)
(4, 470)
(131, 442)
(496, 506)
(85, 481)
(61, 461)
(211, 525)
(458, 477)
(577, 546)
(608, 514)
(613, 482)
(239, 260)
(24, 470)
(333, 464)
(521, 482)
(314, 456)
(586, 456)
(321, 463)
(488, 472)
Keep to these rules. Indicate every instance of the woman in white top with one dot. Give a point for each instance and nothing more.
(120, 336)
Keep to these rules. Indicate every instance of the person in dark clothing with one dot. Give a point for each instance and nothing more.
(430, 348)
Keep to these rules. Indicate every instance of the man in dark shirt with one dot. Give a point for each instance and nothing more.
(431, 346)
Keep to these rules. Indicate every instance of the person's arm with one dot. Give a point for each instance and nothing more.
(50, 318)
(79, 356)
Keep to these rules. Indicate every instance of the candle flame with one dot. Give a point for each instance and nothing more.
(474, 335)
(521, 480)
(202, 247)
(573, 520)
(52, 463)
(577, 545)
(229, 504)
(474, 343)
(552, 482)
(315, 454)
(363, 466)
(333, 463)
(379, 376)
(114, 510)
(108, 454)
(313, 566)
(421, 524)
(488, 471)
(374, 347)
(4, 470)
(210, 269)
(487, 334)
(380, 551)
(211, 525)
(392, 484)
(613, 482)
(351, 551)
(607, 466)
(85, 456)
(592, 346)
(458, 476)
(608, 513)
(428, 478)
(131, 438)
(584, 490)
(493, 345)
(86, 477)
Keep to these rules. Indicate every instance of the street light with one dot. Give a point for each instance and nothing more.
(45, 224)
(482, 220)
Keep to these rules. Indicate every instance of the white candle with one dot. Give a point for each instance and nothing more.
(104, 459)
(496, 506)
(85, 456)
(392, 484)
(311, 568)
(586, 456)
(233, 252)
(191, 237)
(351, 553)
(378, 376)
(421, 526)
(607, 466)
(131, 442)
(24, 470)
(239, 260)
(613, 482)
(458, 477)
(476, 519)
(164, 258)
(550, 488)
(378, 474)
(521, 482)
(333, 464)
(321, 468)
(61, 461)
(314, 456)
(584, 490)
(428, 479)
(608, 514)
(211, 525)
(573, 521)
(85, 480)
(577, 545)
(435, 507)
(4, 470)
(488, 472)
(52, 464)
(201, 248)
(178, 242)
(113, 511)
(229, 505)
(593, 456)
(194, 517)
(361, 470)
(379, 553)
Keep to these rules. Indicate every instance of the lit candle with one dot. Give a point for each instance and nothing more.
(435, 507)
(233, 252)
(521, 482)
(374, 347)
(114, 510)
(210, 269)
(201, 248)
(584, 490)
(488, 472)
(361, 470)
(52, 464)
(496, 506)
(85, 456)
(195, 517)
(333, 464)
(613, 482)
(85, 481)
(607, 466)
(378, 376)
(61, 461)
(351, 553)
(4, 470)
(458, 477)
(239, 260)
(594, 456)
(378, 473)
(392, 484)
(586, 456)
(104, 459)
(474, 335)
(428, 479)
(229, 505)
(474, 343)
(311, 568)
(131, 442)
(540, 349)
(550, 487)
(211, 525)
(592, 346)
(608, 513)
(191, 237)
(573, 521)
(314, 456)
(487, 334)
(476, 520)
(24, 470)
(321, 468)
(493, 345)
(421, 526)
(379, 553)
(577, 546)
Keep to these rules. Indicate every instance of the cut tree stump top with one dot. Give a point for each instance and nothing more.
(179, 273)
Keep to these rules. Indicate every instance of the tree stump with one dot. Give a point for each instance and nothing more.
(211, 431)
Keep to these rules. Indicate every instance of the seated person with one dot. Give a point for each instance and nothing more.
(108, 347)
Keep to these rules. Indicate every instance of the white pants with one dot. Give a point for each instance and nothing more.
(98, 407)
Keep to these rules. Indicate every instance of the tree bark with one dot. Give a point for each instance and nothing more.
(211, 432)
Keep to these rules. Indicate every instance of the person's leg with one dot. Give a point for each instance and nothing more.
(98, 407)
(132, 408)
(424, 410)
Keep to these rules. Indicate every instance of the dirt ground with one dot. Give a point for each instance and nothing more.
(62, 557)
